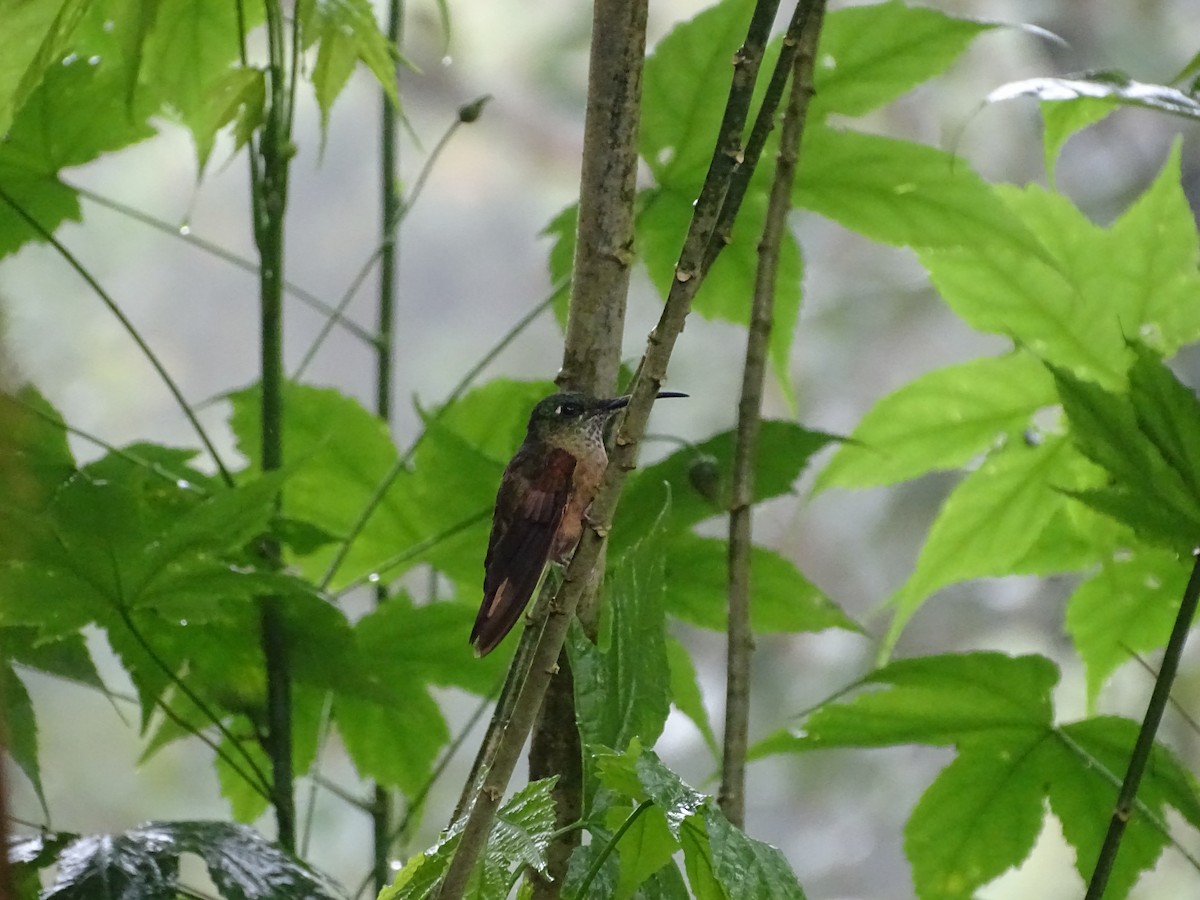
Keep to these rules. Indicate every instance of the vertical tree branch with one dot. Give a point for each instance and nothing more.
(604, 236)
(732, 795)
(391, 210)
(270, 185)
(651, 373)
(1144, 745)
(592, 355)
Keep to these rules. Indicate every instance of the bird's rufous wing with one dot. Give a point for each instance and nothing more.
(528, 513)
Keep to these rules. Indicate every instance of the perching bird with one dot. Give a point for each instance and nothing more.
(544, 495)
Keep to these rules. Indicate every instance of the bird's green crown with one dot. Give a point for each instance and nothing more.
(571, 418)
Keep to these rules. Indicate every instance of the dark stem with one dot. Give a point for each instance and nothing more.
(252, 775)
(764, 123)
(598, 862)
(234, 259)
(391, 206)
(514, 680)
(1144, 745)
(108, 301)
(732, 795)
(271, 191)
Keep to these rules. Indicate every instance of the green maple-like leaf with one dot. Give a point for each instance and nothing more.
(144, 863)
(721, 860)
(982, 814)
(1148, 441)
(345, 33)
(870, 55)
(902, 193)
(1127, 607)
(1011, 509)
(522, 831)
(941, 420)
(622, 687)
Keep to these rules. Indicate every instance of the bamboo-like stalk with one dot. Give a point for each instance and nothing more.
(732, 796)
(270, 187)
(391, 209)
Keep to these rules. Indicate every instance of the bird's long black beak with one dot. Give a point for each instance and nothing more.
(621, 402)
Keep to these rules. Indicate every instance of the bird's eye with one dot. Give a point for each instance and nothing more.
(568, 410)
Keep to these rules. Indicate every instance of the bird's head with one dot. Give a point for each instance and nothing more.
(567, 418)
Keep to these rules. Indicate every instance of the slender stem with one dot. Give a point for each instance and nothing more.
(405, 458)
(764, 123)
(395, 209)
(1192, 723)
(414, 552)
(259, 782)
(114, 450)
(518, 671)
(271, 189)
(253, 141)
(132, 331)
(729, 158)
(310, 807)
(253, 776)
(391, 207)
(418, 800)
(1144, 745)
(1155, 820)
(359, 803)
(598, 862)
(338, 313)
(732, 795)
(226, 255)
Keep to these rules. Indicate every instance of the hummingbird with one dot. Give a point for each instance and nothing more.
(544, 496)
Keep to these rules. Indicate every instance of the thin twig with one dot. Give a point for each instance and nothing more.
(258, 783)
(324, 729)
(405, 459)
(226, 255)
(1144, 745)
(114, 450)
(338, 314)
(108, 301)
(514, 680)
(418, 799)
(732, 795)
(1156, 821)
(377, 575)
(598, 862)
(262, 783)
(764, 124)
(359, 803)
(1192, 723)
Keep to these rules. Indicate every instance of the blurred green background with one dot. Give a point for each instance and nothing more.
(471, 263)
